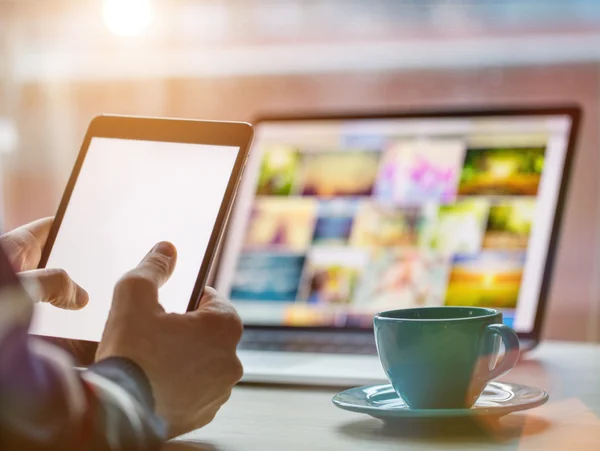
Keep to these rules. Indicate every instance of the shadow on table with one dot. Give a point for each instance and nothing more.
(184, 445)
(456, 431)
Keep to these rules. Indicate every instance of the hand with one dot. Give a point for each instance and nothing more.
(190, 359)
(24, 246)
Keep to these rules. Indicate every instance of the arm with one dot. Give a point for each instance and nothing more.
(47, 404)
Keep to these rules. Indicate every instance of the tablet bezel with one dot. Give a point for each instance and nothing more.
(216, 133)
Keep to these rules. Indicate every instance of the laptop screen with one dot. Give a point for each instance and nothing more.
(338, 219)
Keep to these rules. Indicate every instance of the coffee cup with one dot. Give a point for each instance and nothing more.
(443, 357)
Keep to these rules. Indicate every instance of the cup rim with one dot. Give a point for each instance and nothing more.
(488, 312)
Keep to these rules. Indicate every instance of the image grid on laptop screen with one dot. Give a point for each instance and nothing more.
(339, 219)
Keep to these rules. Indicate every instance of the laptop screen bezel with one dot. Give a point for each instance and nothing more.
(571, 110)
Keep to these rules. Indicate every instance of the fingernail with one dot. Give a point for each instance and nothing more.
(165, 248)
(81, 297)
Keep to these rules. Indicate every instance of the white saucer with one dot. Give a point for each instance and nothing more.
(498, 399)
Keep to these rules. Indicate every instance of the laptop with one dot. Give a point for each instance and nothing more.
(342, 216)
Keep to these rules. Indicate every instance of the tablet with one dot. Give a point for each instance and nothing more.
(138, 181)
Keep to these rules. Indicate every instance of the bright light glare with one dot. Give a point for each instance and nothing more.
(9, 135)
(127, 17)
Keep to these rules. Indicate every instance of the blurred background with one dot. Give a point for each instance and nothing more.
(64, 61)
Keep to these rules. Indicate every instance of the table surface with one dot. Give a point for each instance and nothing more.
(285, 418)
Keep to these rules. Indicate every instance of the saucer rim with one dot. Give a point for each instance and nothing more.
(384, 413)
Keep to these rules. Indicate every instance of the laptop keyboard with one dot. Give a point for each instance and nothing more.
(318, 342)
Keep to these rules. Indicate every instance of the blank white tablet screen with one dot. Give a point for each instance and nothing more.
(130, 195)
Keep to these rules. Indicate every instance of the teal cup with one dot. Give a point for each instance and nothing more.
(443, 357)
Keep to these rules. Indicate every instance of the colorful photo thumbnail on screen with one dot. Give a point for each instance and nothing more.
(378, 224)
(502, 171)
(417, 171)
(509, 224)
(331, 275)
(402, 278)
(339, 173)
(488, 279)
(303, 315)
(459, 227)
(267, 277)
(334, 221)
(508, 317)
(278, 171)
(278, 223)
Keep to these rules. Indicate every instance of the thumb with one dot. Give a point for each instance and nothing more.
(158, 264)
(141, 284)
(55, 287)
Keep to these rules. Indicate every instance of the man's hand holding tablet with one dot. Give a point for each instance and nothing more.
(190, 359)
(137, 181)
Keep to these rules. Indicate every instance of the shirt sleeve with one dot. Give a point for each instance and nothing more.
(47, 404)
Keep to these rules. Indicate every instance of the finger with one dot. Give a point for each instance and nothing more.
(219, 307)
(212, 299)
(24, 245)
(139, 287)
(55, 287)
(220, 317)
(158, 264)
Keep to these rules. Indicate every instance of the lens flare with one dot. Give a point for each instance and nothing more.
(127, 17)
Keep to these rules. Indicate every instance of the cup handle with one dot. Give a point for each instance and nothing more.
(511, 349)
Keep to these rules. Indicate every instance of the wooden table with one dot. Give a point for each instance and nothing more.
(278, 418)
